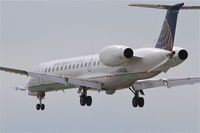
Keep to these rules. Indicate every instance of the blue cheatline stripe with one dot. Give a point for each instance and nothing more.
(167, 35)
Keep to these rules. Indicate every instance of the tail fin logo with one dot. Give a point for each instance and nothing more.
(165, 39)
(167, 35)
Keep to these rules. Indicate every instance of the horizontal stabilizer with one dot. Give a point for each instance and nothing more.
(167, 7)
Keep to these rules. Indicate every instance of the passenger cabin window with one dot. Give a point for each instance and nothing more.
(98, 63)
(49, 70)
(85, 64)
(53, 69)
(69, 66)
(61, 68)
(77, 66)
(94, 63)
(45, 70)
(81, 65)
(66, 67)
(57, 68)
(73, 66)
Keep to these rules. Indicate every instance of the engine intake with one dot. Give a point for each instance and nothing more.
(182, 54)
(128, 53)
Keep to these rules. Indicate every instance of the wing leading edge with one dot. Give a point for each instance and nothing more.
(147, 84)
(57, 79)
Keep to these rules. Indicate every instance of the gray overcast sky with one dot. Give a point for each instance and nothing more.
(35, 32)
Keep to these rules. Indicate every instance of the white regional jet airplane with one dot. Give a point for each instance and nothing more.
(115, 67)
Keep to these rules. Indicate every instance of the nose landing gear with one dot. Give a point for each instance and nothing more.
(40, 96)
(137, 100)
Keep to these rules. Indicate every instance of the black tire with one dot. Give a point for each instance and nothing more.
(89, 100)
(38, 106)
(134, 102)
(42, 106)
(141, 102)
(82, 101)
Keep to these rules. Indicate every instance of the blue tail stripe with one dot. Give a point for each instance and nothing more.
(167, 35)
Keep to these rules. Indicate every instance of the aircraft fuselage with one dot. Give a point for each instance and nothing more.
(113, 78)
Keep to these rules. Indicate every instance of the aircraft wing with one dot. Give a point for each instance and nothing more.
(57, 79)
(147, 84)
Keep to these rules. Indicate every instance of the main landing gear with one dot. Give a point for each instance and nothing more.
(84, 99)
(40, 96)
(137, 100)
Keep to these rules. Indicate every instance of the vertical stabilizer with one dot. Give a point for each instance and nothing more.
(167, 35)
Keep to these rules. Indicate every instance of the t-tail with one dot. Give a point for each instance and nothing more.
(167, 35)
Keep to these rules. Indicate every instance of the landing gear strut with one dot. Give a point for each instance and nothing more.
(40, 96)
(84, 99)
(137, 100)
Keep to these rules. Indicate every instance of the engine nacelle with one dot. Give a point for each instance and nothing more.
(115, 55)
(180, 54)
